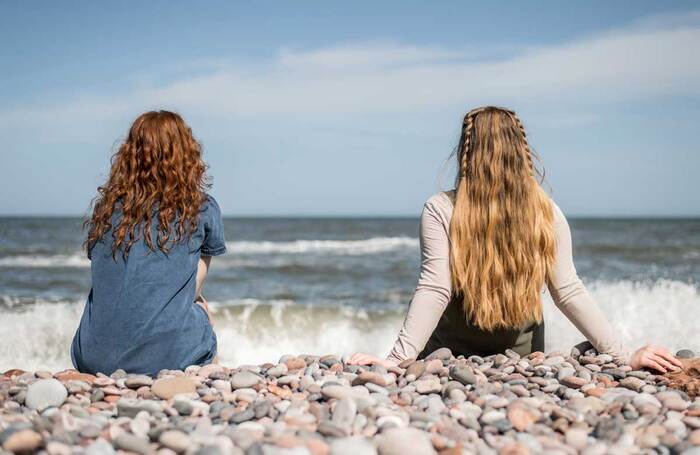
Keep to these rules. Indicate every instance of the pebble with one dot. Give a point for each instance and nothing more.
(337, 391)
(685, 354)
(278, 370)
(426, 386)
(608, 429)
(616, 373)
(416, 369)
(130, 443)
(344, 412)
(99, 447)
(22, 441)
(177, 441)
(521, 417)
(491, 417)
(440, 354)
(244, 380)
(576, 438)
(646, 399)
(355, 445)
(565, 373)
(573, 382)
(694, 438)
(318, 405)
(167, 388)
(183, 407)
(402, 441)
(632, 383)
(72, 375)
(463, 374)
(130, 407)
(138, 380)
(45, 393)
(554, 360)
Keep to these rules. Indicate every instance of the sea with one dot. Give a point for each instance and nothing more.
(341, 285)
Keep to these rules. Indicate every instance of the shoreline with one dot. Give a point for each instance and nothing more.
(501, 404)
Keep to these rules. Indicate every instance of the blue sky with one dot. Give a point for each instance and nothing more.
(352, 108)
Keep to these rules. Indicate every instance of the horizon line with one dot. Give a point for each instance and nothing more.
(592, 216)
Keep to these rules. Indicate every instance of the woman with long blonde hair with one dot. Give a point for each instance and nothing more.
(487, 250)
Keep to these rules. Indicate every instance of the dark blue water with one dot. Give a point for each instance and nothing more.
(294, 279)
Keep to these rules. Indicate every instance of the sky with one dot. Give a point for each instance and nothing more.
(353, 108)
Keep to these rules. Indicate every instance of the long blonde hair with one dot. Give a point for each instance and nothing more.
(501, 233)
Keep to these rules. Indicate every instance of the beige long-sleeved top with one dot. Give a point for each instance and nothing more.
(434, 289)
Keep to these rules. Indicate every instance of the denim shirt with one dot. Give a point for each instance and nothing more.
(140, 315)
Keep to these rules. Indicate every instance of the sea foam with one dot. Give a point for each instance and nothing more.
(251, 331)
(349, 247)
(374, 245)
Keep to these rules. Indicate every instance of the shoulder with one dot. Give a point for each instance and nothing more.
(442, 201)
(210, 212)
(210, 205)
(439, 206)
(558, 216)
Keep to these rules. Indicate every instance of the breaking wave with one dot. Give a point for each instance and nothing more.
(252, 331)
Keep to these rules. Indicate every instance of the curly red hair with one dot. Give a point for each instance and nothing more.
(158, 172)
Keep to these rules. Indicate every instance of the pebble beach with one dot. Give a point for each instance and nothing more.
(555, 403)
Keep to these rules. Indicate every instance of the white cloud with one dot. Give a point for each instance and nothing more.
(365, 55)
(653, 58)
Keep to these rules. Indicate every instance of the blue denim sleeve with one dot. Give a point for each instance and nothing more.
(214, 242)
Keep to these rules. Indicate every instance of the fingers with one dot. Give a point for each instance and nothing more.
(362, 359)
(663, 362)
(667, 356)
(651, 363)
(353, 359)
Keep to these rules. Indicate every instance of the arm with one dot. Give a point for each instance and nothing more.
(434, 286)
(213, 243)
(202, 269)
(572, 298)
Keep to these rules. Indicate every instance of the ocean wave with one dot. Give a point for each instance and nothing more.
(76, 260)
(252, 331)
(369, 246)
(343, 247)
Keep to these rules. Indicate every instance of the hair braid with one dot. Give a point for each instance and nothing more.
(528, 151)
(466, 139)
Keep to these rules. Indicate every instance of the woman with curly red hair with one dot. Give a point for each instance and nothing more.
(150, 240)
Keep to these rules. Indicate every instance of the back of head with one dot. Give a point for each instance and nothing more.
(501, 233)
(157, 170)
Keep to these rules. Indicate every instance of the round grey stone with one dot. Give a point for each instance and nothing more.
(131, 443)
(462, 374)
(183, 407)
(400, 441)
(355, 445)
(344, 412)
(565, 373)
(129, 407)
(244, 380)
(685, 354)
(212, 450)
(177, 441)
(243, 416)
(441, 353)
(100, 447)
